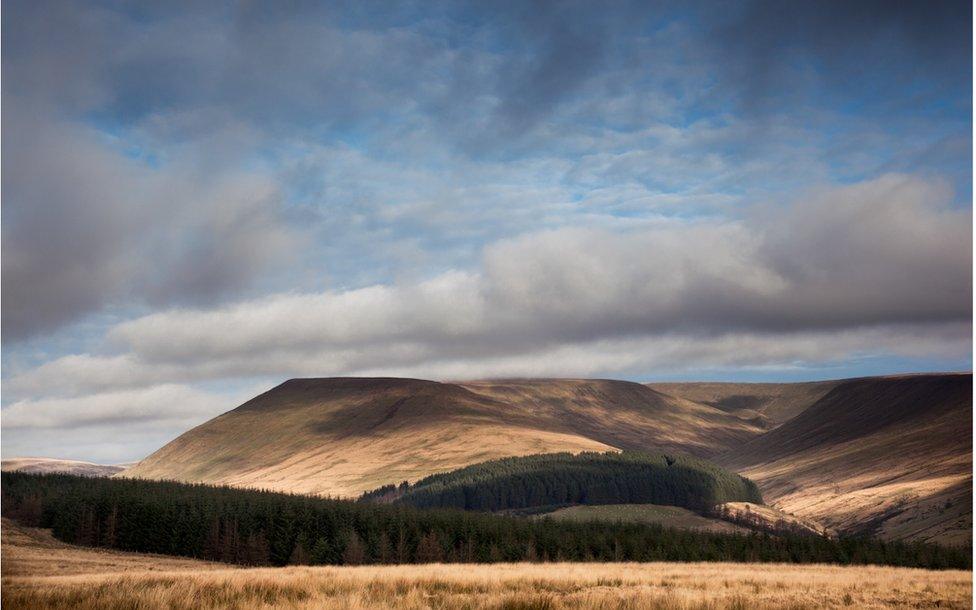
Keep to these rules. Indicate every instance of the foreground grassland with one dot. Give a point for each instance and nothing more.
(503, 586)
(39, 572)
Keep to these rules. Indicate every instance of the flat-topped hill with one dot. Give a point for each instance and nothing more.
(344, 436)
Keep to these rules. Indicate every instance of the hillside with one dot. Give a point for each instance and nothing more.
(344, 436)
(620, 413)
(890, 456)
(772, 403)
(50, 465)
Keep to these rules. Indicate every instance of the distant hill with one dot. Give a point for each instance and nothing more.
(772, 403)
(888, 456)
(344, 436)
(51, 465)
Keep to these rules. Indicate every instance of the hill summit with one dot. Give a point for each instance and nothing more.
(344, 436)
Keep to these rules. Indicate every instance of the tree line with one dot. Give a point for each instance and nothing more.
(555, 479)
(253, 527)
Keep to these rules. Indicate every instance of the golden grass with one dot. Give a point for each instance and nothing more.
(29, 552)
(40, 572)
(503, 586)
(777, 402)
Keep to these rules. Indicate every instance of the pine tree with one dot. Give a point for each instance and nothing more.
(212, 548)
(258, 551)
(86, 533)
(322, 552)
(110, 531)
(384, 550)
(354, 553)
(230, 543)
(429, 549)
(299, 555)
(402, 550)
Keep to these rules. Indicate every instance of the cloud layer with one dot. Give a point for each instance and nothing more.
(202, 200)
(885, 254)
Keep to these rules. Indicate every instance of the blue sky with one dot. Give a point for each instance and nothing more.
(204, 200)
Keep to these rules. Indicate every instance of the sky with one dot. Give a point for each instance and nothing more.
(201, 200)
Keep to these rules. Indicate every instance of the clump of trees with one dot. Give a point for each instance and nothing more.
(629, 477)
(263, 528)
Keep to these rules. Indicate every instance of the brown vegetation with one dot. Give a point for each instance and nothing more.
(503, 586)
(341, 437)
(885, 456)
(39, 573)
(769, 519)
(772, 403)
(890, 456)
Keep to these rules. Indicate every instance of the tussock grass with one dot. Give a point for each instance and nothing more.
(635, 586)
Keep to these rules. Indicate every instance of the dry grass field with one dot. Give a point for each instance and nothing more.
(502, 586)
(39, 572)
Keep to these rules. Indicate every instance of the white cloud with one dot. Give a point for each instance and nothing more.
(883, 269)
(159, 403)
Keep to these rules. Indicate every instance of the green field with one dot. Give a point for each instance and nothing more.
(668, 516)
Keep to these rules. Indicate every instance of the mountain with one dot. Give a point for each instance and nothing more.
(344, 436)
(51, 465)
(887, 456)
(771, 403)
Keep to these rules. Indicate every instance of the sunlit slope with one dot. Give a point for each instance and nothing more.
(49, 465)
(890, 456)
(773, 403)
(343, 436)
(622, 414)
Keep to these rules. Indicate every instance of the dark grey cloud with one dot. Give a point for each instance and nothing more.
(85, 226)
(139, 136)
(894, 54)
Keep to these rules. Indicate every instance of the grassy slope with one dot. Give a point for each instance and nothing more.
(620, 414)
(773, 403)
(771, 519)
(668, 516)
(881, 455)
(345, 436)
(31, 551)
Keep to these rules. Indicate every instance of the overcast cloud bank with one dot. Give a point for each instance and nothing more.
(200, 201)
